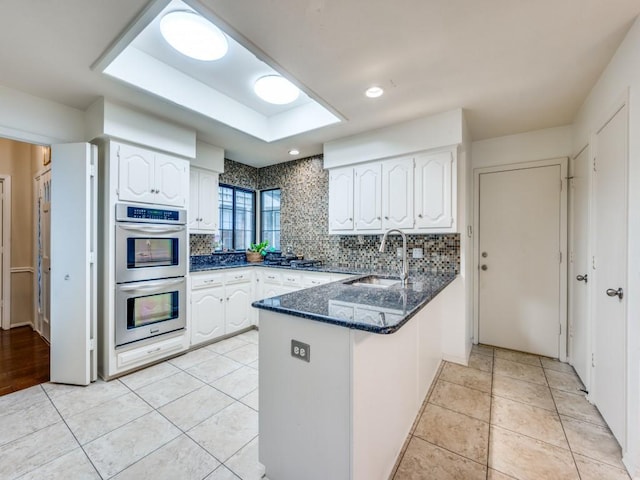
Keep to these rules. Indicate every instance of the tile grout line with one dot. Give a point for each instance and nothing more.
(573, 457)
(74, 437)
(493, 366)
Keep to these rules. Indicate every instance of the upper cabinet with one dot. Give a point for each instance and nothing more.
(203, 201)
(146, 176)
(341, 200)
(397, 193)
(367, 197)
(415, 193)
(434, 198)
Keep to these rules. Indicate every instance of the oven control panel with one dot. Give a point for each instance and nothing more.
(149, 214)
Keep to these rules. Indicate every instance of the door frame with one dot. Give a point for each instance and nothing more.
(563, 163)
(571, 269)
(6, 254)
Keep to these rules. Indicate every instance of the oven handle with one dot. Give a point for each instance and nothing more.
(151, 229)
(150, 287)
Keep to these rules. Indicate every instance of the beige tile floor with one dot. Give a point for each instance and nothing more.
(192, 417)
(508, 415)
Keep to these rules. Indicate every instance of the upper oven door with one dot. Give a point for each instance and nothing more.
(147, 251)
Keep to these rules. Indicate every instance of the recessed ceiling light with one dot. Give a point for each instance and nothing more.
(374, 92)
(193, 35)
(294, 151)
(276, 89)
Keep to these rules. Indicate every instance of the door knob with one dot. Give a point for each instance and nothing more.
(612, 292)
(484, 267)
(582, 278)
(485, 254)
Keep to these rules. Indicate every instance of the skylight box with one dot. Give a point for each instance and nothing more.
(221, 88)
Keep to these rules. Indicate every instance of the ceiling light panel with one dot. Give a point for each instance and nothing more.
(193, 36)
(276, 89)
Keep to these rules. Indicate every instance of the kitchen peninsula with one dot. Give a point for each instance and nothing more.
(344, 368)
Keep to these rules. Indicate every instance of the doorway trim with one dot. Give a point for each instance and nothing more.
(6, 252)
(563, 162)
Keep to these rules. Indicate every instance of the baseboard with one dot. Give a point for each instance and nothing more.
(22, 324)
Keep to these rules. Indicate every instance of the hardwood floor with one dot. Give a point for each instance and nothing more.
(24, 359)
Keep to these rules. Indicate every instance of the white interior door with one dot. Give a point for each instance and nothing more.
(44, 240)
(579, 267)
(610, 273)
(520, 250)
(73, 269)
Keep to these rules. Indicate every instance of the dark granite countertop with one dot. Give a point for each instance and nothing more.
(376, 310)
(325, 269)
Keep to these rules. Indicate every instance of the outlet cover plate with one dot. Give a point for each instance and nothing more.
(301, 351)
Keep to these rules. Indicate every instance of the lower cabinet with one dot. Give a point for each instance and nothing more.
(221, 300)
(220, 304)
(239, 311)
(207, 314)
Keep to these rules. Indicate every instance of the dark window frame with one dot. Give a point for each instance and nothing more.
(262, 216)
(235, 189)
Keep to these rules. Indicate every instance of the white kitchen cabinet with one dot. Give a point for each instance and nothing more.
(367, 194)
(435, 196)
(397, 193)
(203, 201)
(341, 200)
(220, 303)
(146, 176)
(239, 313)
(415, 193)
(207, 314)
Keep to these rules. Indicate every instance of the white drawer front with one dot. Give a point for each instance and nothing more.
(148, 353)
(237, 277)
(206, 280)
(272, 277)
(292, 279)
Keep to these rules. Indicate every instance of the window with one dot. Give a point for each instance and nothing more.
(237, 217)
(270, 217)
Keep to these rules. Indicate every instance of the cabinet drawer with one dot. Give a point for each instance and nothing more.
(272, 277)
(237, 277)
(292, 279)
(313, 280)
(148, 353)
(206, 281)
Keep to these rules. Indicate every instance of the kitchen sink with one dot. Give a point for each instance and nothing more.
(374, 281)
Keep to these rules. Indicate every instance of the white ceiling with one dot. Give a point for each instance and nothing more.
(513, 65)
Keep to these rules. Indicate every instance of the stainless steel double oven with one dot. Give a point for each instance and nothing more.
(151, 264)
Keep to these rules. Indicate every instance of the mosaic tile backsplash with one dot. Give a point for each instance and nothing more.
(304, 210)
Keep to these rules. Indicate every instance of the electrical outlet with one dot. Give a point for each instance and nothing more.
(301, 351)
(399, 252)
(417, 253)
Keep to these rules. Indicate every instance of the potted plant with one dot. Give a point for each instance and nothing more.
(256, 251)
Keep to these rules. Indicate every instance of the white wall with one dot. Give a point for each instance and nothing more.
(523, 147)
(31, 119)
(425, 133)
(622, 73)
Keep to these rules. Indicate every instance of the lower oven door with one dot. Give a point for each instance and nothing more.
(150, 308)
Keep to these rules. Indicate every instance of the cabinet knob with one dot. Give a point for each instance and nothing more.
(386, 218)
(378, 218)
(419, 215)
(351, 219)
(221, 300)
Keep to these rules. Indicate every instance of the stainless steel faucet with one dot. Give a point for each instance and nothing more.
(405, 265)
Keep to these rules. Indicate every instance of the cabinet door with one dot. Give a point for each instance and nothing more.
(208, 201)
(135, 174)
(340, 199)
(171, 180)
(397, 193)
(207, 314)
(433, 191)
(238, 311)
(193, 213)
(368, 197)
